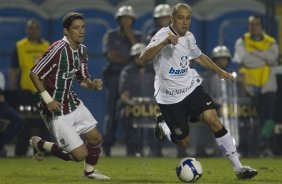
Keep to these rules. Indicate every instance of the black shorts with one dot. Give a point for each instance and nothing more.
(178, 115)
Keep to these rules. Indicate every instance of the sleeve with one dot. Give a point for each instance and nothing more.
(270, 56)
(83, 73)
(157, 38)
(195, 52)
(47, 62)
(240, 51)
(15, 60)
(107, 40)
(123, 81)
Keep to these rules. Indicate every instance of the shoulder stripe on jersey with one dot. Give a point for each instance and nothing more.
(50, 55)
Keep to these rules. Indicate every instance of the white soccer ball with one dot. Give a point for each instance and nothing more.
(189, 170)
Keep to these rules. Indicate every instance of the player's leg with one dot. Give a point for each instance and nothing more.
(225, 143)
(68, 146)
(86, 126)
(173, 123)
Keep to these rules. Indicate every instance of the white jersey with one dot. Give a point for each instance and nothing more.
(174, 78)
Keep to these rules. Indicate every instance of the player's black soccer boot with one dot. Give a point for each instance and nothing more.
(246, 172)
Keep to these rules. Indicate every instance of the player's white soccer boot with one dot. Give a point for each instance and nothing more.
(246, 172)
(158, 129)
(96, 175)
(37, 153)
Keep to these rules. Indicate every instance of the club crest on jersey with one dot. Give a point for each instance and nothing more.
(183, 64)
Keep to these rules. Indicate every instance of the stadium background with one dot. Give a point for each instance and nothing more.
(214, 22)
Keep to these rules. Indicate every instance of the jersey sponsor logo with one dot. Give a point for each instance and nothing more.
(174, 71)
(179, 91)
(184, 69)
(70, 75)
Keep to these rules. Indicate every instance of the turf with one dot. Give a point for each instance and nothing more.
(124, 170)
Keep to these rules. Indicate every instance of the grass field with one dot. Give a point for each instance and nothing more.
(124, 170)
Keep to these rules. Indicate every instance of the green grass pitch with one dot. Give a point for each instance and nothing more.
(124, 170)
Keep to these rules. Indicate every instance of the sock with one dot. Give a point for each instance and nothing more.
(225, 143)
(92, 158)
(166, 130)
(54, 149)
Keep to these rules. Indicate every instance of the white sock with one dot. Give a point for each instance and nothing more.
(48, 146)
(166, 130)
(227, 146)
(88, 167)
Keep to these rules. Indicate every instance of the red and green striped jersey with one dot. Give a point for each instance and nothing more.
(59, 65)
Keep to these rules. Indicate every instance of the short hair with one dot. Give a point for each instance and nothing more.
(183, 5)
(69, 17)
(256, 16)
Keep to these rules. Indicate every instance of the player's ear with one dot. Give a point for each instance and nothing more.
(65, 31)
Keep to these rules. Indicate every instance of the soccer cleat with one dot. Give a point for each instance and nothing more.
(246, 172)
(37, 153)
(95, 175)
(158, 129)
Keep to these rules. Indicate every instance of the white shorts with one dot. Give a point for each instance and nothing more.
(67, 128)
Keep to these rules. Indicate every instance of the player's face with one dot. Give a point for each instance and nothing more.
(181, 20)
(255, 27)
(75, 33)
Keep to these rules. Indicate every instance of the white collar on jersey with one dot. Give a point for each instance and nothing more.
(66, 40)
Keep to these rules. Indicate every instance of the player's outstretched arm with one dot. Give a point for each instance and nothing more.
(206, 62)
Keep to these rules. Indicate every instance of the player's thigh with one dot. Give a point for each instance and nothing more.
(176, 117)
(65, 133)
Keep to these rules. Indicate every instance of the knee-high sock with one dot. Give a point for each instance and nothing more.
(225, 143)
(93, 156)
(54, 149)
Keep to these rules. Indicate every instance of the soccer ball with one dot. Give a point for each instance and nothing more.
(189, 170)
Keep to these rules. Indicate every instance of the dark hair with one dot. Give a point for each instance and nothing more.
(256, 16)
(69, 17)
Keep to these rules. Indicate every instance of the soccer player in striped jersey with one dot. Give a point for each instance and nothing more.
(178, 89)
(64, 113)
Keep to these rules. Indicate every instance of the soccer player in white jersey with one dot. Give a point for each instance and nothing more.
(178, 89)
(65, 115)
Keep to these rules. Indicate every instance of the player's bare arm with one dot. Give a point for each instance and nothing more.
(206, 62)
(150, 52)
(51, 103)
(95, 84)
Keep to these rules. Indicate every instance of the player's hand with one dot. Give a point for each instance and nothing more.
(97, 84)
(225, 75)
(54, 106)
(172, 39)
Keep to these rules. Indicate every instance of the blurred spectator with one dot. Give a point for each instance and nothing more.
(161, 19)
(116, 47)
(257, 52)
(136, 92)
(10, 120)
(27, 52)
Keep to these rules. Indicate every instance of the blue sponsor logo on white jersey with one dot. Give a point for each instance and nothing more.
(180, 71)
